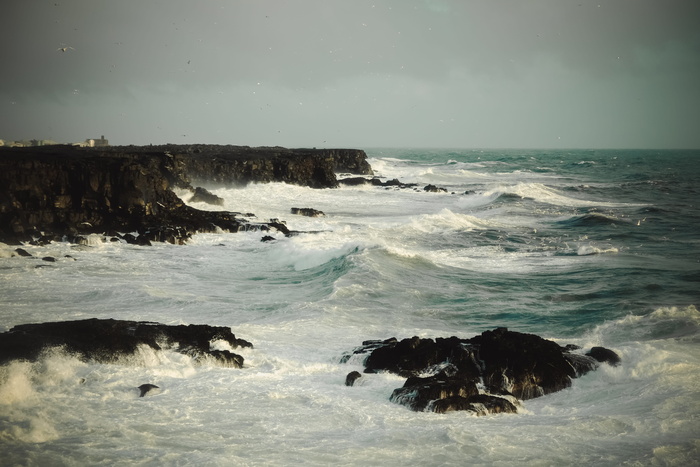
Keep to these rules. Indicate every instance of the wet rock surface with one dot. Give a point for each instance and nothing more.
(308, 212)
(488, 373)
(63, 192)
(108, 340)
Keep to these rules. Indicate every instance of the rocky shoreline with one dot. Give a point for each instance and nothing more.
(64, 192)
(489, 373)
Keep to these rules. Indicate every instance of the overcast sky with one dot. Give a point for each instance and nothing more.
(353, 73)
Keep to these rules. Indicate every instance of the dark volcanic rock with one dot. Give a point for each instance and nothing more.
(434, 189)
(444, 374)
(480, 404)
(146, 388)
(604, 355)
(352, 377)
(309, 212)
(242, 164)
(202, 195)
(411, 357)
(62, 192)
(524, 365)
(417, 393)
(356, 181)
(107, 340)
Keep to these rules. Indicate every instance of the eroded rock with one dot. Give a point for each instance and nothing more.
(108, 340)
(308, 212)
(488, 373)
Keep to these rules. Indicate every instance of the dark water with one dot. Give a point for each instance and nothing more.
(636, 211)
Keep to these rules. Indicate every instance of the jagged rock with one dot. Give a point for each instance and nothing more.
(226, 358)
(444, 374)
(309, 212)
(411, 357)
(434, 189)
(242, 164)
(352, 377)
(525, 365)
(480, 404)
(355, 181)
(107, 340)
(417, 393)
(349, 160)
(581, 364)
(202, 195)
(54, 192)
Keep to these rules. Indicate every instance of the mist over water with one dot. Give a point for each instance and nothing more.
(582, 247)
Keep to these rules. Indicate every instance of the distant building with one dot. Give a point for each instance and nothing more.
(95, 143)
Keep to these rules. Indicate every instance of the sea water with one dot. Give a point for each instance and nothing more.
(582, 247)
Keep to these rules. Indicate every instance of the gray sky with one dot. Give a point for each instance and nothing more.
(353, 73)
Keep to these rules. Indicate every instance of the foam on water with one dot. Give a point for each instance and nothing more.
(520, 249)
(288, 407)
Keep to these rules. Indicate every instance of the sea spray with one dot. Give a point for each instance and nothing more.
(499, 248)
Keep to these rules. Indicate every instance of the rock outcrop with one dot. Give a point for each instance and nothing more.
(488, 373)
(308, 212)
(109, 340)
(374, 181)
(230, 165)
(64, 192)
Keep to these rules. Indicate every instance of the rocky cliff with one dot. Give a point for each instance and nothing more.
(64, 191)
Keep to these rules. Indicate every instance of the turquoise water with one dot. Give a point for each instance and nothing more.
(583, 247)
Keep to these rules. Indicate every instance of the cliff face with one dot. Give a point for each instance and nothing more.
(66, 190)
(56, 191)
(242, 164)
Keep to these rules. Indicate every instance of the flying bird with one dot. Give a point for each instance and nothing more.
(65, 49)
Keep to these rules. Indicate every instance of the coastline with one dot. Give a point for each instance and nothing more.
(65, 192)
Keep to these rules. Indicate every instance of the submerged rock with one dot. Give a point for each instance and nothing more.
(108, 340)
(355, 181)
(485, 374)
(352, 377)
(604, 355)
(146, 388)
(434, 189)
(308, 212)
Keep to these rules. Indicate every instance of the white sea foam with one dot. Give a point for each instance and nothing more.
(381, 263)
(546, 194)
(585, 250)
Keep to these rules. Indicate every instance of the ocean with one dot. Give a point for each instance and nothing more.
(585, 247)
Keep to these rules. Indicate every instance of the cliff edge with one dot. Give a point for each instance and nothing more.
(63, 192)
